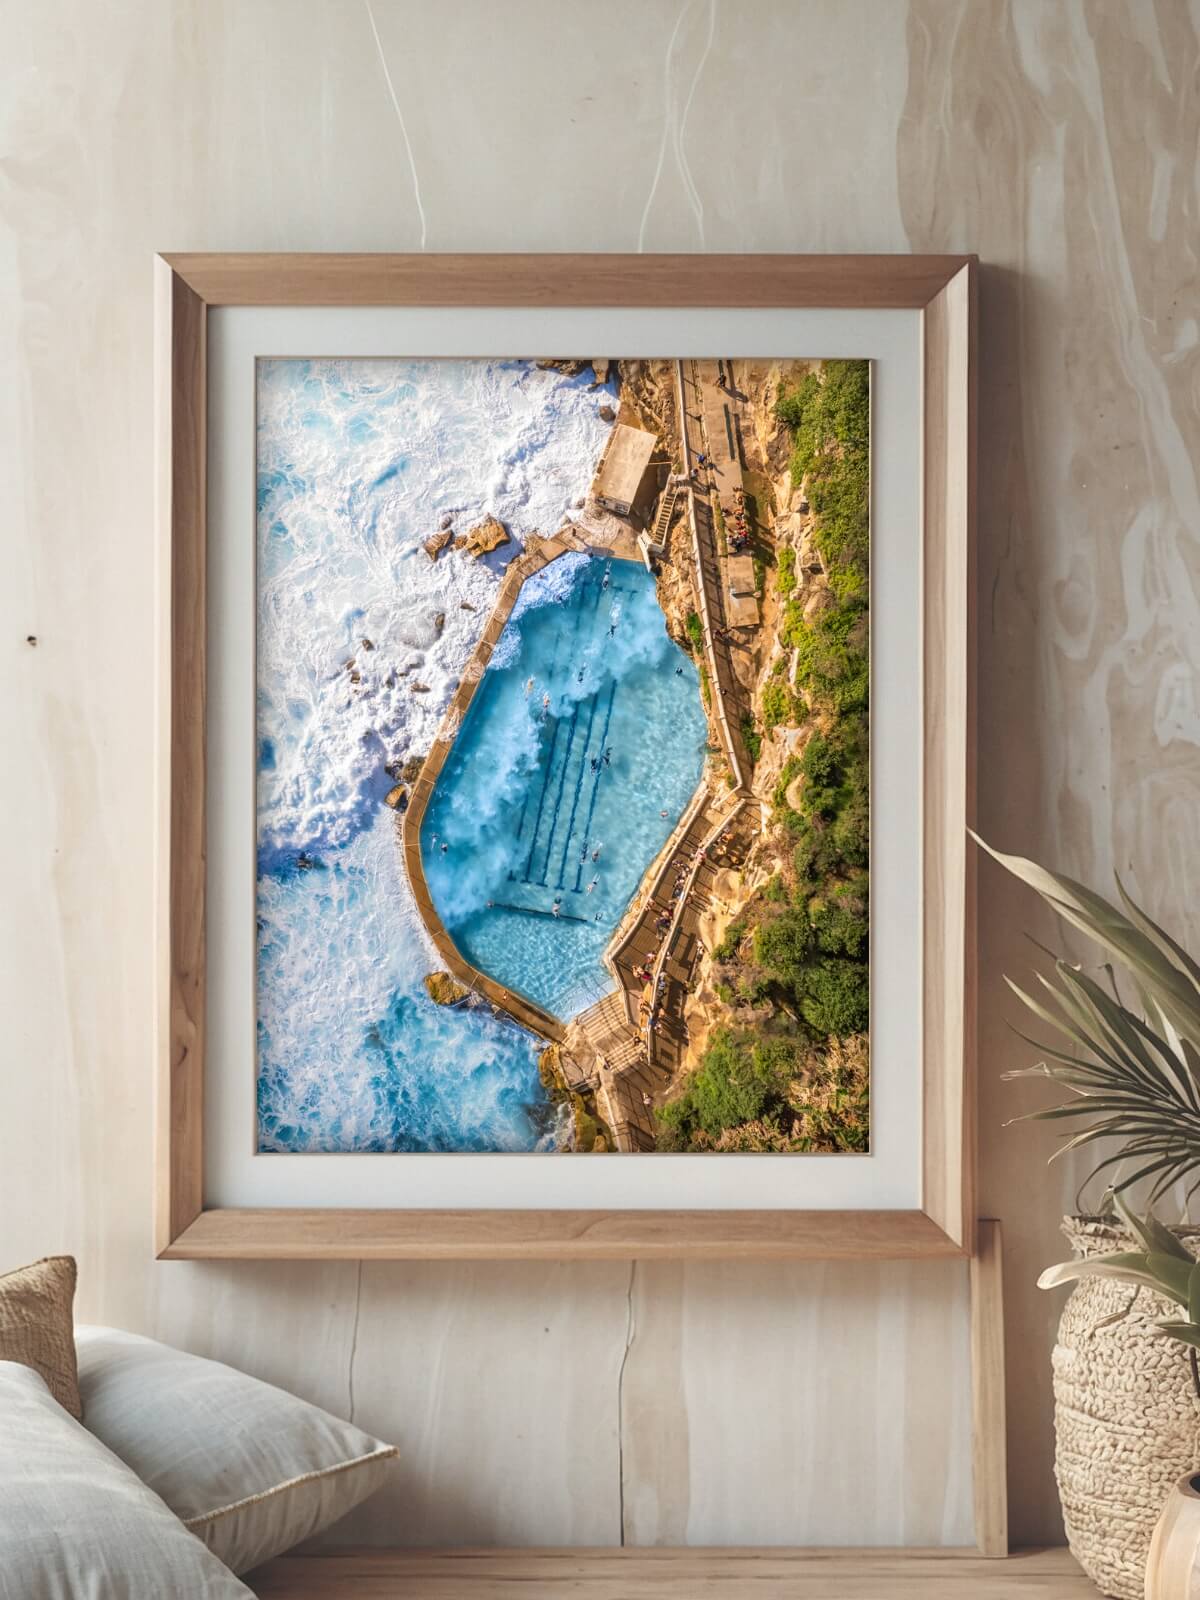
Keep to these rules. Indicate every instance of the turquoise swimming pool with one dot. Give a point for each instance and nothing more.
(580, 750)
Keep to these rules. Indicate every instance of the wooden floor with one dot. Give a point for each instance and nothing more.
(671, 1575)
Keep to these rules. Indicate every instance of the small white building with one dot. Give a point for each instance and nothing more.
(742, 601)
(624, 476)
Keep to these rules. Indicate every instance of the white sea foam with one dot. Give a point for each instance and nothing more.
(353, 1055)
(358, 463)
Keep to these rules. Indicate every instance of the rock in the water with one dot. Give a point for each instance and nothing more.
(600, 370)
(447, 520)
(419, 688)
(366, 644)
(607, 414)
(411, 770)
(487, 535)
(397, 798)
(465, 605)
(443, 989)
(579, 502)
(434, 546)
(439, 620)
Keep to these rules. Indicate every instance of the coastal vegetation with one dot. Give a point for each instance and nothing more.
(787, 1068)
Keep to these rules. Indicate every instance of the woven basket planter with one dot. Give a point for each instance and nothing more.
(1126, 1415)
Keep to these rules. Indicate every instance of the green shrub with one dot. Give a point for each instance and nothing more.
(786, 576)
(835, 997)
(799, 1079)
(777, 705)
(695, 631)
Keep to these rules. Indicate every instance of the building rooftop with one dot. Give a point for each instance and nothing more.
(742, 603)
(626, 458)
(741, 575)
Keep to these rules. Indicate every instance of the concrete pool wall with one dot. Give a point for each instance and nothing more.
(524, 1011)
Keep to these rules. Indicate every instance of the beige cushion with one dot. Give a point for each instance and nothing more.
(75, 1523)
(35, 1324)
(248, 1467)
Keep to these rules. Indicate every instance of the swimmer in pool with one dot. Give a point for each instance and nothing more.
(529, 686)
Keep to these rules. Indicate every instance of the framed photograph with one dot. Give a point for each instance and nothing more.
(566, 755)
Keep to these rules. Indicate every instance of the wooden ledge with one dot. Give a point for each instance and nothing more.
(625, 1574)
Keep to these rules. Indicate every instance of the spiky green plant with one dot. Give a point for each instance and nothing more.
(1137, 1080)
(1163, 1264)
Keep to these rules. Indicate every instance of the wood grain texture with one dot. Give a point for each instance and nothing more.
(989, 1417)
(948, 510)
(1057, 141)
(948, 608)
(182, 468)
(293, 1234)
(670, 1575)
(887, 1347)
(565, 280)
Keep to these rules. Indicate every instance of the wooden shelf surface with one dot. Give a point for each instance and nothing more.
(612, 1574)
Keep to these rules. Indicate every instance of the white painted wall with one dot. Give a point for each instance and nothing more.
(566, 1403)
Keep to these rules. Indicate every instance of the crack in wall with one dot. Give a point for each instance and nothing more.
(354, 1344)
(391, 88)
(630, 1335)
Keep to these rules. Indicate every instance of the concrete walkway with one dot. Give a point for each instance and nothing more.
(730, 699)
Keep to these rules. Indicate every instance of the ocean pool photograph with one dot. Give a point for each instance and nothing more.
(562, 755)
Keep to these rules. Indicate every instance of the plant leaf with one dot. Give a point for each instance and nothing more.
(1185, 1332)
(1151, 1234)
(1172, 950)
(1194, 1294)
(1173, 989)
(1127, 1266)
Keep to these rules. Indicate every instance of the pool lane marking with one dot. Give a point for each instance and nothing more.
(558, 638)
(536, 911)
(549, 770)
(562, 783)
(562, 865)
(587, 831)
(525, 876)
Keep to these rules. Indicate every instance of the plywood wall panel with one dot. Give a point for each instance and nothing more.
(1057, 140)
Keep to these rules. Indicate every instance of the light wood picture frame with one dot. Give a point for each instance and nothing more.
(943, 290)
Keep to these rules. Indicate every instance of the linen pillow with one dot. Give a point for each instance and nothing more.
(35, 1324)
(247, 1467)
(75, 1523)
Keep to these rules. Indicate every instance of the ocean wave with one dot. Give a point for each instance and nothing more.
(362, 638)
(361, 642)
(353, 1055)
